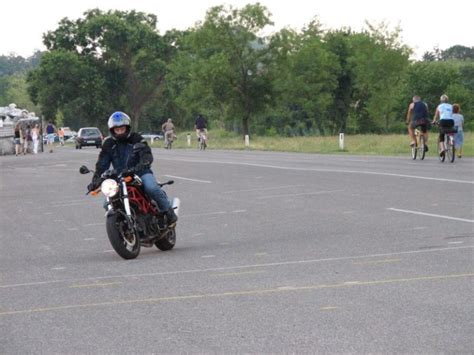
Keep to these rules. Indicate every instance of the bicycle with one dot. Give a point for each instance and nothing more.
(449, 149)
(419, 146)
(202, 140)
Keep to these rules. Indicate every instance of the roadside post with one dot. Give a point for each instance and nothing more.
(341, 141)
(247, 140)
(189, 139)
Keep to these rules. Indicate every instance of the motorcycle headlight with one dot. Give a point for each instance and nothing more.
(109, 187)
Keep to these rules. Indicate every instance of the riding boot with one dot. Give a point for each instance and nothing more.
(171, 217)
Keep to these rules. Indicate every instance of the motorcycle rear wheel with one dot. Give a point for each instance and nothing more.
(125, 242)
(168, 241)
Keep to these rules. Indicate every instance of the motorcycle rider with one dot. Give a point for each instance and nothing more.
(120, 150)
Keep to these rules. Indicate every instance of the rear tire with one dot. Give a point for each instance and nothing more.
(422, 147)
(451, 151)
(125, 243)
(168, 241)
(440, 157)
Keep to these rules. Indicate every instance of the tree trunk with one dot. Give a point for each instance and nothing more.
(245, 125)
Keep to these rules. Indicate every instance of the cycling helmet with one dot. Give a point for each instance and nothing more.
(119, 119)
(444, 98)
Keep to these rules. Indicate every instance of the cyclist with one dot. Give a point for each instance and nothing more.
(443, 115)
(200, 125)
(417, 116)
(168, 131)
(118, 150)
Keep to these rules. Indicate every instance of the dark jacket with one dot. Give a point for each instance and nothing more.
(122, 157)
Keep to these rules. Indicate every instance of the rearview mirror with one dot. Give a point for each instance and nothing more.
(84, 170)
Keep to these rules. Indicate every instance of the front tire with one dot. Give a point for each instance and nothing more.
(168, 241)
(124, 240)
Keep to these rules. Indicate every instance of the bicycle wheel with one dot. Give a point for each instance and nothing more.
(450, 150)
(414, 151)
(441, 155)
(422, 147)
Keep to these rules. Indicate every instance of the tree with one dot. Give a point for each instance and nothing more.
(121, 51)
(230, 61)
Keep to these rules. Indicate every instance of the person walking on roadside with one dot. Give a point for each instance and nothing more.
(459, 124)
(61, 136)
(17, 140)
(50, 131)
(35, 133)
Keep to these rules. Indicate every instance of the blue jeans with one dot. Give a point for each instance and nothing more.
(155, 191)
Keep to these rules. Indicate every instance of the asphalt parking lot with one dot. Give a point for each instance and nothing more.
(276, 253)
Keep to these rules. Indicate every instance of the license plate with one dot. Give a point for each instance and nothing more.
(90, 141)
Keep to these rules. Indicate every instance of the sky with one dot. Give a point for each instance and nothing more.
(425, 24)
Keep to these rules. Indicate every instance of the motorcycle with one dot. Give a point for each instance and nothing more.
(133, 219)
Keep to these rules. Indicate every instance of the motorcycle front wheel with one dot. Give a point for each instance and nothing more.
(168, 241)
(123, 238)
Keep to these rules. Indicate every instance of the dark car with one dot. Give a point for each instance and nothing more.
(89, 136)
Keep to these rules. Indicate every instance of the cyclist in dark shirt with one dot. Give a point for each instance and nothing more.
(200, 124)
(417, 116)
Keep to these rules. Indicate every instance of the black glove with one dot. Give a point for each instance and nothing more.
(95, 184)
(141, 166)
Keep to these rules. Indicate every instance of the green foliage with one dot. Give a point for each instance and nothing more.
(307, 82)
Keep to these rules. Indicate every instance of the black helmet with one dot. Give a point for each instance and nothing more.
(119, 119)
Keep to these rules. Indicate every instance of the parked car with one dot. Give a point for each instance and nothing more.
(89, 136)
(153, 136)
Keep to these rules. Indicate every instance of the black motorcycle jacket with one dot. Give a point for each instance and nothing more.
(122, 156)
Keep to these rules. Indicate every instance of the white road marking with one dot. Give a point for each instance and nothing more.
(93, 224)
(460, 242)
(58, 268)
(363, 172)
(204, 214)
(89, 239)
(208, 256)
(188, 179)
(300, 194)
(239, 211)
(237, 267)
(420, 228)
(73, 229)
(432, 215)
(263, 189)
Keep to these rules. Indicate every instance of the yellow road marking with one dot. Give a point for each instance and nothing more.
(330, 308)
(236, 293)
(376, 262)
(96, 284)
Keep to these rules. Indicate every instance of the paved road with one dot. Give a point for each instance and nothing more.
(276, 253)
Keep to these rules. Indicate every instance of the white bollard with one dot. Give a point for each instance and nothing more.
(247, 140)
(189, 140)
(341, 141)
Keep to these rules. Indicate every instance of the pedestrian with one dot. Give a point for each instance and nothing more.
(35, 133)
(50, 131)
(26, 139)
(17, 139)
(459, 124)
(61, 136)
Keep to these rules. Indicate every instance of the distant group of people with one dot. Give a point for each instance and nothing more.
(447, 115)
(26, 139)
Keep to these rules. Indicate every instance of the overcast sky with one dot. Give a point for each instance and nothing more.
(425, 24)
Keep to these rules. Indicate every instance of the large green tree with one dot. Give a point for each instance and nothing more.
(120, 56)
(229, 62)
